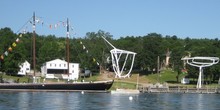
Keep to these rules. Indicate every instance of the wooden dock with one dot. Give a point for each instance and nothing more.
(179, 89)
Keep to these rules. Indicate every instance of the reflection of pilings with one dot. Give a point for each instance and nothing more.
(179, 89)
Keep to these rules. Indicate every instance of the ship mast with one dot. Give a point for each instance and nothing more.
(34, 57)
(67, 47)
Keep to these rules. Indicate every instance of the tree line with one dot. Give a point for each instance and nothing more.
(92, 48)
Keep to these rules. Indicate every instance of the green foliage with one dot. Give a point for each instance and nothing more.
(147, 47)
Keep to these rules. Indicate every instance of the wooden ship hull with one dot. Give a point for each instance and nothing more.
(75, 86)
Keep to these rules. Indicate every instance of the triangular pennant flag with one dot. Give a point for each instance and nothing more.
(38, 20)
(14, 44)
(87, 51)
(17, 40)
(20, 35)
(97, 63)
(50, 26)
(9, 49)
(81, 42)
(2, 57)
(55, 26)
(84, 47)
(94, 60)
(24, 31)
(6, 53)
(64, 24)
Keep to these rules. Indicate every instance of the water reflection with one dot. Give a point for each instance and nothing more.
(107, 101)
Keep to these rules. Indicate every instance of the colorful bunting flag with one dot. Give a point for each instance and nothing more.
(97, 63)
(9, 49)
(17, 40)
(14, 44)
(24, 31)
(64, 24)
(6, 53)
(38, 20)
(94, 60)
(55, 26)
(2, 57)
(50, 26)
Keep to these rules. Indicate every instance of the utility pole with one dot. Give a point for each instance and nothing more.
(34, 45)
(67, 48)
(158, 68)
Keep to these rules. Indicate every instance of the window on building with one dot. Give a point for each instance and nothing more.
(73, 71)
(50, 65)
(73, 66)
(64, 65)
(60, 65)
(55, 65)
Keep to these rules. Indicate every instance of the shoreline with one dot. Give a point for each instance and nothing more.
(207, 90)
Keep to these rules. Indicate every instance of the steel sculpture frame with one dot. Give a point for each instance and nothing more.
(116, 56)
(201, 62)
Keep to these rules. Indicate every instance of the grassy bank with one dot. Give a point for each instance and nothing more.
(166, 76)
(15, 78)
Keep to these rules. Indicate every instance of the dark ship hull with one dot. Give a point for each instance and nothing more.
(76, 86)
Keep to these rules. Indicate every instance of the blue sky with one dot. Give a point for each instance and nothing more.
(183, 18)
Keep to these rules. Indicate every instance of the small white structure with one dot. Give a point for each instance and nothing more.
(185, 81)
(58, 67)
(24, 68)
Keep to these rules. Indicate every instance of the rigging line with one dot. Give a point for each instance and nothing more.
(24, 25)
(77, 52)
(90, 55)
(58, 23)
(107, 45)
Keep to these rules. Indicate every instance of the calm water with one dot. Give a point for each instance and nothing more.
(106, 101)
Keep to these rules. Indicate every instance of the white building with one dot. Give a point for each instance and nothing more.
(24, 68)
(58, 67)
(185, 81)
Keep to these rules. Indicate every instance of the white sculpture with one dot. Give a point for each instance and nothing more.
(116, 55)
(201, 62)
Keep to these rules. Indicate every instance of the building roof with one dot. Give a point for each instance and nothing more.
(59, 61)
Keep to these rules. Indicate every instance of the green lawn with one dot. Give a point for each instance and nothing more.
(124, 85)
(15, 78)
(168, 76)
